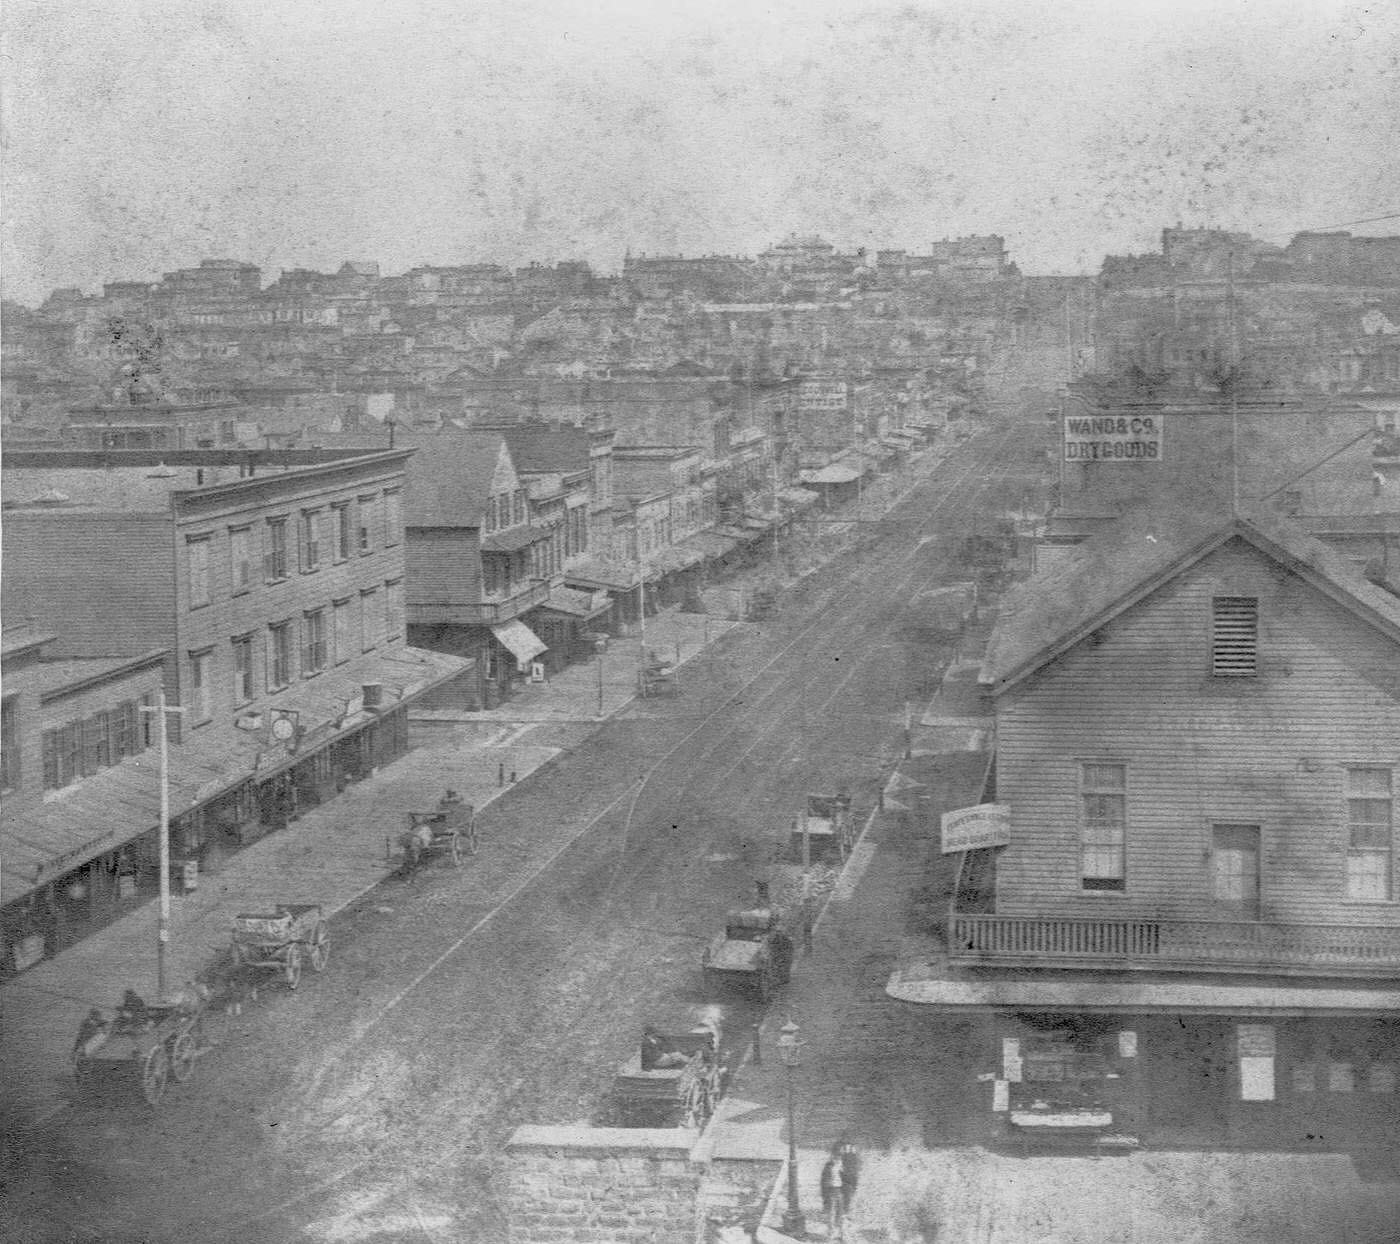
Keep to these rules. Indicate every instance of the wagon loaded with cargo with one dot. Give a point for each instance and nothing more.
(144, 1044)
(673, 1079)
(753, 954)
(282, 940)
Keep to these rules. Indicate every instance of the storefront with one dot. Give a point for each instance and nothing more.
(569, 624)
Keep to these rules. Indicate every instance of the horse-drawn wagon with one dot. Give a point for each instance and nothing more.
(823, 829)
(281, 940)
(674, 1079)
(449, 829)
(148, 1044)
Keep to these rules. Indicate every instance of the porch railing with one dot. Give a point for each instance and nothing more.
(481, 613)
(1264, 946)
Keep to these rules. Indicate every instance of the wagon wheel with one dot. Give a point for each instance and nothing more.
(291, 968)
(320, 947)
(154, 1072)
(455, 847)
(182, 1055)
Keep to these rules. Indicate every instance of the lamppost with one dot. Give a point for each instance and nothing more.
(790, 1050)
(160, 710)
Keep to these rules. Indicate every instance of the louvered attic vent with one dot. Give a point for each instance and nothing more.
(1234, 646)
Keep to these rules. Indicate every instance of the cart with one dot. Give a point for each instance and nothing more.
(282, 939)
(657, 677)
(823, 829)
(674, 1079)
(152, 1044)
(449, 829)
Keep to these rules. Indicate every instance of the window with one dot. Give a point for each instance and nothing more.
(62, 757)
(201, 699)
(242, 669)
(340, 530)
(393, 611)
(490, 576)
(241, 549)
(371, 620)
(366, 534)
(1102, 832)
(197, 554)
(97, 743)
(313, 646)
(343, 620)
(9, 744)
(275, 561)
(279, 672)
(310, 541)
(147, 721)
(1370, 834)
(126, 731)
(393, 518)
(1234, 641)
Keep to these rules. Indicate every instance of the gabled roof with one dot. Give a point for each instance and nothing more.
(1052, 612)
(545, 448)
(449, 478)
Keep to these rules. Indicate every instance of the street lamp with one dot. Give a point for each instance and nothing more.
(160, 710)
(790, 1050)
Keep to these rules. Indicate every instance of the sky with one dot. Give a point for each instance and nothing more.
(140, 136)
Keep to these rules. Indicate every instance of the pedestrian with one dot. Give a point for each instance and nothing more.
(807, 923)
(761, 893)
(850, 1172)
(833, 1192)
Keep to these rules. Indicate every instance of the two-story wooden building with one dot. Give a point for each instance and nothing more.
(1197, 743)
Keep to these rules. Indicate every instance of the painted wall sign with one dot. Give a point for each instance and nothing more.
(821, 395)
(970, 829)
(1113, 438)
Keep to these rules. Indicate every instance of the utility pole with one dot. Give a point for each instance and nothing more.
(1234, 386)
(160, 709)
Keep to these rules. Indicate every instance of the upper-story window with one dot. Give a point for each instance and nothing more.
(275, 559)
(242, 669)
(241, 553)
(313, 647)
(279, 666)
(197, 554)
(343, 622)
(1370, 833)
(371, 618)
(1103, 825)
(393, 518)
(309, 539)
(201, 698)
(1234, 636)
(9, 744)
(340, 530)
(366, 515)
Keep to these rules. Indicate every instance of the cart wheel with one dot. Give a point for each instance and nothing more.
(153, 1074)
(182, 1056)
(455, 847)
(291, 970)
(320, 947)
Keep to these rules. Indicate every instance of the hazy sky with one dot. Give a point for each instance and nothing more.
(144, 135)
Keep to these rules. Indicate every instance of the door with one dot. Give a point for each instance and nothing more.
(1235, 869)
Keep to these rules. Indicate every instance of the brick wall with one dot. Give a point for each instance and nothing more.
(616, 1185)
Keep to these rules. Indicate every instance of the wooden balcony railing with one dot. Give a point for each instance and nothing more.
(1266, 947)
(482, 613)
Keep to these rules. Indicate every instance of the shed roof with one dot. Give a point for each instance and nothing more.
(1055, 610)
(449, 478)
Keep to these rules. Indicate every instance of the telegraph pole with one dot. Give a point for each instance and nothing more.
(160, 709)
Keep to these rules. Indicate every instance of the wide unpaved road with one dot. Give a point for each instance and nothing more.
(372, 1104)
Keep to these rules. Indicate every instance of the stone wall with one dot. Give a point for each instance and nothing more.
(618, 1185)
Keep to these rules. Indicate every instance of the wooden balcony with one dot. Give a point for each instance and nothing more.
(484, 612)
(1175, 945)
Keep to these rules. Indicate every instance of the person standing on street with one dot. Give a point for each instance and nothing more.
(833, 1193)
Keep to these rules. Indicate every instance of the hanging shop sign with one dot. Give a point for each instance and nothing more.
(970, 829)
(1113, 438)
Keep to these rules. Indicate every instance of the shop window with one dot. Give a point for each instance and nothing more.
(9, 744)
(1103, 827)
(1370, 834)
(1234, 636)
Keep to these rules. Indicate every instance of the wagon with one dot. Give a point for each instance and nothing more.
(281, 939)
(153, 1044)
(657, 677)
(823, 829)
(754, 953)
(449, 829)
(674, 1079)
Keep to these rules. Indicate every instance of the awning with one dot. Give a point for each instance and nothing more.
(673, 558)
(523, 643)
(834, 473)
(515, 539)
(711, 544)
(115, 805)
(595, 572)
(575, 603)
